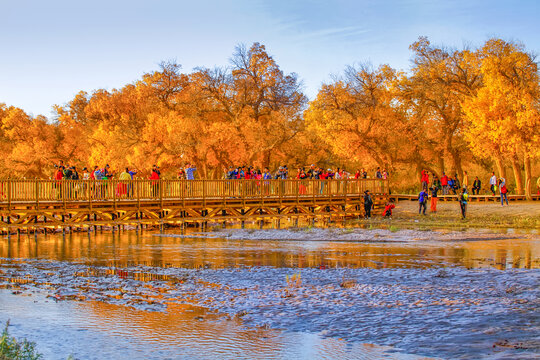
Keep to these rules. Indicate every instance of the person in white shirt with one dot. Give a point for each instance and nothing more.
(493, 183)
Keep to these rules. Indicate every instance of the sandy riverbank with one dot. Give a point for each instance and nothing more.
(523, 214)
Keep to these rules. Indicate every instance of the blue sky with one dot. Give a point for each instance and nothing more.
(52, 49)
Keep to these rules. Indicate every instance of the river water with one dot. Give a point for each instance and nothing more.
(323, 295)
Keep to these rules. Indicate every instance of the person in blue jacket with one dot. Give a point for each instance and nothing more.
(422, 202)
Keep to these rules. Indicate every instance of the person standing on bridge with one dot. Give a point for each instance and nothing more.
(58, 176)
(190, 169)
(155, 183)
(368, 204)
(130, 187)
(122, 187)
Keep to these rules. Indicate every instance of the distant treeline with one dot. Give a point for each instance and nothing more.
(452, 110)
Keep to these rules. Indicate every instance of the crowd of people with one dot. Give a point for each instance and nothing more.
(187, 172)
(447, 184)
(313, 172)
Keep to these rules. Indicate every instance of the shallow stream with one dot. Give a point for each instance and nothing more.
(230, 294)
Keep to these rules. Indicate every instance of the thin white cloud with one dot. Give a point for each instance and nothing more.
(332, 33)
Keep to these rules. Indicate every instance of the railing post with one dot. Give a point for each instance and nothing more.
(89, 194)
(345, 184)
(297, 187)
(37, 194)
(114, 193)
(243, 191)
(204, 194)
(280, 184)
(183, 193)
(63, 187)
(138, 184)
(313, 183)
(9, 195)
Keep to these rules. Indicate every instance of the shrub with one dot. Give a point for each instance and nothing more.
(13, 349)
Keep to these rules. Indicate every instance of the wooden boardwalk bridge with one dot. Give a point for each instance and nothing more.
(33, 205)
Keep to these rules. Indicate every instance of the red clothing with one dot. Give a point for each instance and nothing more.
(388, 209)
(433, 205)
(425, 176)
(444, 180)
(154, 176)
(59, 175)
(121, 189)
(357, 175)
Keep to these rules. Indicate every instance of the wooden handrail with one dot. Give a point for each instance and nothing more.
(116, 191)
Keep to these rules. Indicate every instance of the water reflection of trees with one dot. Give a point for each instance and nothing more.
(130, 249)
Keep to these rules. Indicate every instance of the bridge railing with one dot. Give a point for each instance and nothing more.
(118, 190)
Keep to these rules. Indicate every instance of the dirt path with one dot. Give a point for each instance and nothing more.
(445, 208)
(522, 214)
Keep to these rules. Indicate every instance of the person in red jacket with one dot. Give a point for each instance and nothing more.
(388, 209)
(155, 183)
(444, 184)
(425, 179)
(58, 176)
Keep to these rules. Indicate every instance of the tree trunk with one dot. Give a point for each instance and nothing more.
(266, 159)
(419, 169)
(500, 165)
(517, 174)
(528, 177)
(456, 163)
(441, 163)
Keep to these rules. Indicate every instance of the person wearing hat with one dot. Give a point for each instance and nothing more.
(368, 204)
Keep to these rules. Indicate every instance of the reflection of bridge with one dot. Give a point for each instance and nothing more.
(37, 204)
